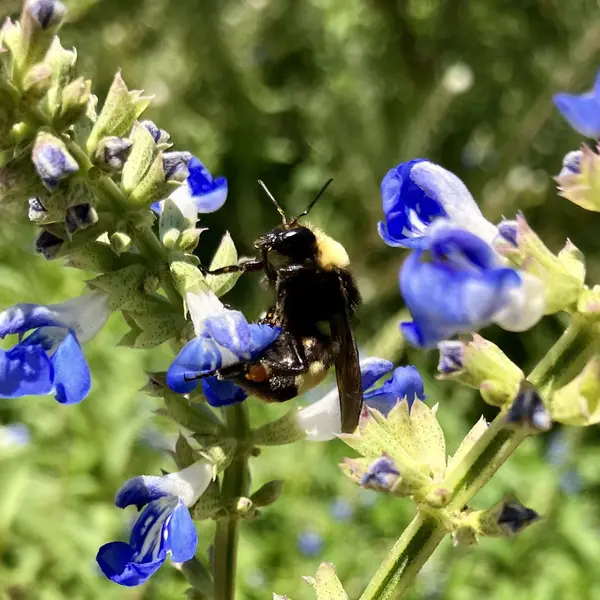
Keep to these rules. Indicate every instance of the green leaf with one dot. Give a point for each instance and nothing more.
(143, 154)
(327, 584)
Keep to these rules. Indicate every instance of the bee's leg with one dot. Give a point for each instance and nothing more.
(253, 264)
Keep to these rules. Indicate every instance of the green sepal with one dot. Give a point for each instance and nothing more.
(172, 223)
(74, 102)
(99, 257)
(62, 64)
(326, 583)
(219, 454)
(121, 285)
(578, 402)
(225, 255)
(467, 443)
(37, 81)
(194, 416)
(186, 276)
(121, 109)
(143, 153)
(184, 453)
(267, 494)
(488, 369)
(120, 242)
(188, 240)
(208, 504)
(589, 303)
(200, 577)
(280, 432)
(151, 330)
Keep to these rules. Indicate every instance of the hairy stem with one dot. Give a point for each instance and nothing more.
(488, 454)
(236, 482)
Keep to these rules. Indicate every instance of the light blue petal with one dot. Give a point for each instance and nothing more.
(462, 248)
(231, 330)
(24, 371)
(220, 392)
(141, 490)
(213, 200)
(182, 536)
(209, 194)
(405, 382)
(581, 112)
(115, 560)
(23, 317)
(201, 355)
(372, 369)
(261, 336)
(72, 380)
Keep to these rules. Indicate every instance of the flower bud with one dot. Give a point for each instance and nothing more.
(506, 519)
(589, 303)
(111, 153)
(267, 494)
(481, 365)
(579, 179)
(62, 65)
(120, 110)
(36, 212)
(578, 402)
(52, 160)
(562, 275)
(80, 216)
(528, 410)
(37, 81)
(175, 165)
(40, 20)
(74, 101)
(219, 454)
(382, 474)
(160, 136)
(120, 242)
(48, 244)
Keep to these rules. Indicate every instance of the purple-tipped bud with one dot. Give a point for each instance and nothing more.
(571, 163)
(36, 212)
(452, 355)
(160, 136)
(175, 165)
(508, 230)
(79, 217)
(382, 474)
(46, 13)
(48, 244)
(515, 517)
(528, 410)
(52, 161)
(112, 152)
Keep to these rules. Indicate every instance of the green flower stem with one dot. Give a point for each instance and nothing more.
(236, 483)
(412, 550)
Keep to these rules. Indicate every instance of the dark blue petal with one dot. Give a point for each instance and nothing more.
(72, 380)
(156, 207)
(24, 371)
(582, 112)
(405, 382)
(23, 317)
(116, 561)
(219, 392)
(408, 210)
(462, 248)
(208, 193)
(201, 355)
(373, 369)
(140, 491)
(452, 356)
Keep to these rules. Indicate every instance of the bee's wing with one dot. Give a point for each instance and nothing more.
(347, 368)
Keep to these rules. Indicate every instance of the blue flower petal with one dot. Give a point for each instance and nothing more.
(214, 200)
(201, 355)
(140, 491)
(462, 248)
(208, 193)
(381, 474)
(72, 380)
(219, 392)
(182, 535)
(23, 317)
(25, 370)
(582, 111)
(116, 561)
(231, 330)
(405, 382)
(373, 369)
(261, 336)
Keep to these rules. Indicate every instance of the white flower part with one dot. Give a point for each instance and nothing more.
(321, 420)
(452, 194)
(182, 197)
(189, 483)
(86, 314)
(525, 307)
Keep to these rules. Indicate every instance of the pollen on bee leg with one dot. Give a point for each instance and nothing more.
(257, 373)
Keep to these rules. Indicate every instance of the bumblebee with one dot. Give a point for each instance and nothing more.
(316, 297)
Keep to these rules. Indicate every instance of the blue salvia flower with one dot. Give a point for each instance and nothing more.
(52, 161)
(223, 337)
(310, 543)
(322, 420)
(582, 111)
(164, 528)
(49, 359)
(418, 193)
(460, 285)
(381, 474)
(208, 194)
(341, 509)
(405, 382)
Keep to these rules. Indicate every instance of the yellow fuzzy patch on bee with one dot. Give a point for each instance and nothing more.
(331, 253)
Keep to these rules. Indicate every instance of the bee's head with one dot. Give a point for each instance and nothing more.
(297, 243)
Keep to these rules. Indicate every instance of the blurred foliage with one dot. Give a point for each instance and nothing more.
(294, 93)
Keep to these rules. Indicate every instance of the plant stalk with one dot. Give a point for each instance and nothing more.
(417, 543)
(236, 483)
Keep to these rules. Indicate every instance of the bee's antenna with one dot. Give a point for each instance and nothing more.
(321, 192)
(279, 209)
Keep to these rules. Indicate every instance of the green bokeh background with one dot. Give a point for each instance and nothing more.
(294, 92)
